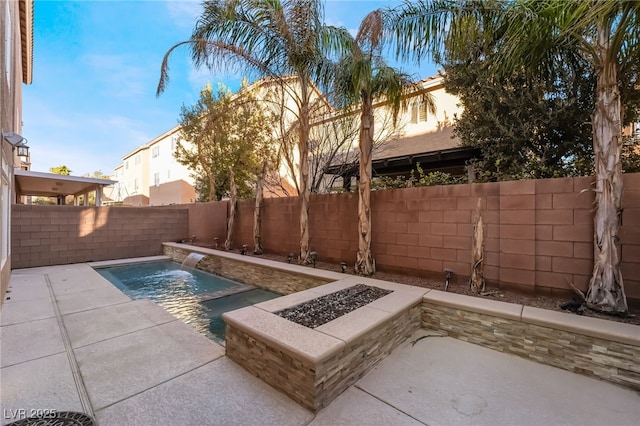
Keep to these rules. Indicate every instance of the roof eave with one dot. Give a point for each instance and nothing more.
(26, 39)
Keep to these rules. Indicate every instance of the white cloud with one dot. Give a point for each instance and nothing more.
(185, 12)
(119, 75)
(83, 141)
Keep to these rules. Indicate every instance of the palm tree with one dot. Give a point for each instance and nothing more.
(361, 78)
(542, 36)
(276, 39)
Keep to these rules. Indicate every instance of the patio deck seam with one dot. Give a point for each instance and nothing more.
(390, 405)
(159, 384)
(122, 334)
(83, 395)
(90, 309)
(31, 359)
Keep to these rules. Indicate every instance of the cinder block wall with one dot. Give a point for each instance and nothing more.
(538, 233)
(206, 220)
(55, 235)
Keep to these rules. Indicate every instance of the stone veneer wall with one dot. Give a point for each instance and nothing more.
(314, 386)
(268, 277)
(614, 362)
(338, 373)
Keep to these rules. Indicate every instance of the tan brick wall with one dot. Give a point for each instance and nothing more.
(55, 235)
(538, 233)
(206, 220)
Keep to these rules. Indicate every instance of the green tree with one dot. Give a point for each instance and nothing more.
(219, 134)
(363, 76)
(276, 39)
(60, 170)
(546, 132)
(545, 36)
(97, 175)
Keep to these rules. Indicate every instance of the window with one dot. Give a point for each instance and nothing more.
(418, 112)
(155, 152)
(156, 179)
(173, 144)
(126, 165)
(137, 159)
(168, 175)
(423, 112)
(135, 185)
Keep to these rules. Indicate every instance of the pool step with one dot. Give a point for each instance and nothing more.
(226, 292)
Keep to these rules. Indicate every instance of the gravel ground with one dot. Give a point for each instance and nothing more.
(538, 301)
(323, 309)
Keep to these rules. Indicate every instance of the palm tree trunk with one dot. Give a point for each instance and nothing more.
(476, 281)
(257, 214)
(365, 265)
(606, 289)
(228, 243)
(303, 145)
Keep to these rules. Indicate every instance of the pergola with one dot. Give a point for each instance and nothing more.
(40, 184)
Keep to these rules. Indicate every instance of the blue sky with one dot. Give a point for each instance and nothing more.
(96, 68)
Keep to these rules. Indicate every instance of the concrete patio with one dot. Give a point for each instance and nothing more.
(71, 341)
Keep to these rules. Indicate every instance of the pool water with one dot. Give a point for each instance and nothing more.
(181, 292)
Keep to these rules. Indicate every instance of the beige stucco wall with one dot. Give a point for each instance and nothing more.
(174, 192)
(12, 50)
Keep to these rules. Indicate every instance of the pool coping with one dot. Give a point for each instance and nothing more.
(287, 267)
(128, 261)
(598, 347)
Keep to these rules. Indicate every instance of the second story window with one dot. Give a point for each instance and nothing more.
(418, 112)
(137, 159)
(156, 179)
(155, 152)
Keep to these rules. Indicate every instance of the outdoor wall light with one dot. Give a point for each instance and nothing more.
(290, 257)
(18, 142)
(343, 267)
(448, 273)
(313, 255)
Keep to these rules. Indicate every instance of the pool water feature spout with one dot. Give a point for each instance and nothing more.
(192, 260)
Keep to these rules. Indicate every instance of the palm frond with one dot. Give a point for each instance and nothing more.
(164, 68)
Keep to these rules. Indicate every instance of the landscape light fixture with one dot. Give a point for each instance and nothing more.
(313, 255)
(18, 142)
(243, 250)
(448, 273)
(290, 257)
(343, 267)
(215, 242)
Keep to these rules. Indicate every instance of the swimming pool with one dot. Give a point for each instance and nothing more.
(195, 297)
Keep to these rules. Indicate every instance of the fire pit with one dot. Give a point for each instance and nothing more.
(331, 344)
